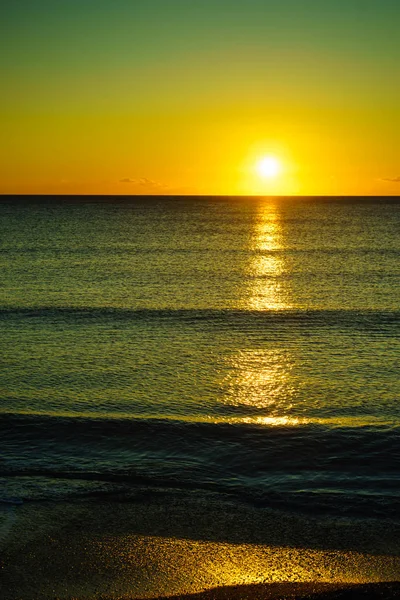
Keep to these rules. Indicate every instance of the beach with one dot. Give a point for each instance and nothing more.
(158, 547)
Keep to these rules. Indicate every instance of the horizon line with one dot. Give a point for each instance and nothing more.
(260, 196)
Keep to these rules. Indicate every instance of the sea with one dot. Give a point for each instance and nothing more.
(223, 348)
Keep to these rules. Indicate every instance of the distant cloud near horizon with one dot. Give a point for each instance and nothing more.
(144, 182)
(392, 179)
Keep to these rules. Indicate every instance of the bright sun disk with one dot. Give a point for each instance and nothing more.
(268, 166)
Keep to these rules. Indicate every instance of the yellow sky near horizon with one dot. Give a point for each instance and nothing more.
(172, 98)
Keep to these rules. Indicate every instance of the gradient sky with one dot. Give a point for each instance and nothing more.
(184, 96)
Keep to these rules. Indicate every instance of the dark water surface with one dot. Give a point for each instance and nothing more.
(242, 348)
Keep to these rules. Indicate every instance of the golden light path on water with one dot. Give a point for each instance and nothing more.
(260, 377)
(267, 265)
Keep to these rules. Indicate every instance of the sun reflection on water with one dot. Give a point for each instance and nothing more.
(260, 386)
(267, 265)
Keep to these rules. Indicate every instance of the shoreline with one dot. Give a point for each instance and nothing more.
(157, 547)
(295, 591)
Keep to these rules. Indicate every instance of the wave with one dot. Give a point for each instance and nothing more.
(311, 467)
(316, 439)
(228, 317)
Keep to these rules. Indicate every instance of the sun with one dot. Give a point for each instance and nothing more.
(268, 167)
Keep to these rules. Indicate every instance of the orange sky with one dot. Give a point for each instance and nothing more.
(165, 96)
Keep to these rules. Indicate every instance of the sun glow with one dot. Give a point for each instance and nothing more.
(268, 167)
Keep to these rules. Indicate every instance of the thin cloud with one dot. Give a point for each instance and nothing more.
(143, 182)
(392, 179)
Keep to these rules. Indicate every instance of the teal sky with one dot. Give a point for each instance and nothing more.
(156, 72)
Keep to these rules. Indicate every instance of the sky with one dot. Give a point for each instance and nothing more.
(190, 96)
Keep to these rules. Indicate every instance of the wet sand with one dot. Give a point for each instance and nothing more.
(299, 591)
(155, 547)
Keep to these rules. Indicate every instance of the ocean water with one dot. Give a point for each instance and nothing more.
(236, 348)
